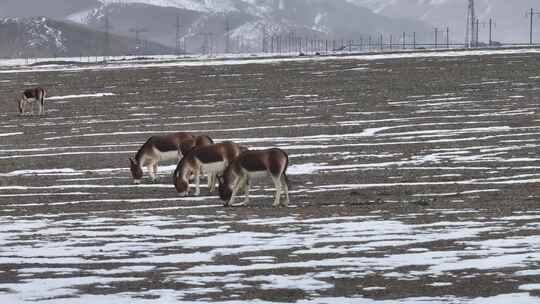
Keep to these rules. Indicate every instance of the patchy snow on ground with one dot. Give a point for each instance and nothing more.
(60, 242)
(75, 229)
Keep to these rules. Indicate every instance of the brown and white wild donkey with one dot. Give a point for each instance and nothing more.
(212, 160)
(28, 97)
(162, 148)
(251, 165)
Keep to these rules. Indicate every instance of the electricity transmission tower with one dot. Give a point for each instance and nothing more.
(208, 42)
(138, 45)
(265, 44)
(531, 14)
(491, 26)
(107, 40)
(178, 35)
(227, 35)
(471, 36)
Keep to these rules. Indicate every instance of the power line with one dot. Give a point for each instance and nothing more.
(490, 24)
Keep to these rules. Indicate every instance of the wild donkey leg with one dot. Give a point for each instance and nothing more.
(20, 106)
(277, 183)
(41, 106)
(211, 182)
(239, 184)
(285, 190)
(151, 172)
(155, 171)
(247, 188)
(244, 184)
(197, 181)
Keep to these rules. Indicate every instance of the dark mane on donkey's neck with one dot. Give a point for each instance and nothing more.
(182, 162)
(140, 153)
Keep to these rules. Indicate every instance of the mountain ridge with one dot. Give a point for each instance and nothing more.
(249, 20)
(46, 37)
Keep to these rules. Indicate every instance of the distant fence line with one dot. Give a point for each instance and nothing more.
(317, 47)
(326, 46)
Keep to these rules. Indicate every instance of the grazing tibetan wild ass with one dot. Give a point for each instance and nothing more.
(168, 147)
(212, 160)
(253, 165)
(28, 97)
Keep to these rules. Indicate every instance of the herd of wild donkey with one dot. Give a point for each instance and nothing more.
(231, 165)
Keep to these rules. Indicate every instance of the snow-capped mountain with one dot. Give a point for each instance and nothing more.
(244, 22)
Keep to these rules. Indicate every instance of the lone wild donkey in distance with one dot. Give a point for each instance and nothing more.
(169, 147)
(253, 165)
(212, 160)
(28, 97)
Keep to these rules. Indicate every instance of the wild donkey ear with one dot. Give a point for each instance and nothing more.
(132, 160)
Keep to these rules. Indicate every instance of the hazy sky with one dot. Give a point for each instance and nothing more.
(511, 24)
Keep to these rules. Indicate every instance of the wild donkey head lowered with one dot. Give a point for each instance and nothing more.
(251, 165)
(162, 148)
(211, 160)
(28, 97)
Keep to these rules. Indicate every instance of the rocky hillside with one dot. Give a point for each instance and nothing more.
(44, 37)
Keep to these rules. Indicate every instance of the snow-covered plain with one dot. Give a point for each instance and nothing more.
(74, 229)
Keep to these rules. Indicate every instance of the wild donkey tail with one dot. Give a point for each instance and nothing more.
(287, 181)
(43, 95)
(175, 173)
(285, 172)
(20, 105)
